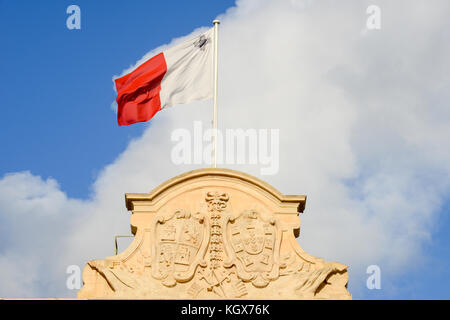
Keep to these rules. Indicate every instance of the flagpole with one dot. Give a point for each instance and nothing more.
(216, 55)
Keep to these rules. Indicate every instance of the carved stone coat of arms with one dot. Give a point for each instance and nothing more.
(215, 234)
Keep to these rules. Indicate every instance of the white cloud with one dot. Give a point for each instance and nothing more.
(364, 127)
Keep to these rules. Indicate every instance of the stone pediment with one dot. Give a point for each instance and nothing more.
(214, 234)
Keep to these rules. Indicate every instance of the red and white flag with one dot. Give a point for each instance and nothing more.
(179, 75)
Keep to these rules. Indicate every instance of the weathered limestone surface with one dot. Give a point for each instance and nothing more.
(214, 234)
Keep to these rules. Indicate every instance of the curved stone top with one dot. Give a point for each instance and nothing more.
(214, 234)
(132, 198)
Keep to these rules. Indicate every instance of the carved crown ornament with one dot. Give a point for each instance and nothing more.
(214, 234)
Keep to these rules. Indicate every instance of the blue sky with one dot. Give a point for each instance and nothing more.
(63, 77)
(57, 92)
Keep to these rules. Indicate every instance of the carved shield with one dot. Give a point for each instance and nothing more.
(252, 242)
(180, 245)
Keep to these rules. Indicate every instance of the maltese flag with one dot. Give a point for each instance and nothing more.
(179, 75)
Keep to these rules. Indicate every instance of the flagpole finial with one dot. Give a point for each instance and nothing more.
(216, 21)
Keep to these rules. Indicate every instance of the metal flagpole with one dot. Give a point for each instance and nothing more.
(216, 54)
